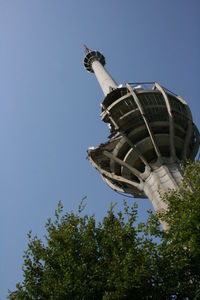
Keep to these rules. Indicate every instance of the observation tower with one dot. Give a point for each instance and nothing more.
(151, 135)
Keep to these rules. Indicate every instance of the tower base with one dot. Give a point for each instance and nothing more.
(162, 179)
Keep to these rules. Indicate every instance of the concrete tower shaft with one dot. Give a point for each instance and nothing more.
(152, 134)
(94, 62)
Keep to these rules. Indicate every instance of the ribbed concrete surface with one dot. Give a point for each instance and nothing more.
(161, 180)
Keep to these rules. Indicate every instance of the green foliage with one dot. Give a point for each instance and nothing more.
(118, 258)
(183, 237)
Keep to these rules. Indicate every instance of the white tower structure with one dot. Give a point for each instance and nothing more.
(152, 134)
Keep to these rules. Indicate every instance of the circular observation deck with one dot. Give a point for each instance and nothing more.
(92, 56)
(149, 127)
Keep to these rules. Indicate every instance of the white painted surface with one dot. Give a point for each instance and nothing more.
(105, 80)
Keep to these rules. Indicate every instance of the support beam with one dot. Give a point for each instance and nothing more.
(117, 128)
(171, 121)
(112, 176)
(189, 130)
(137, 101)
(134, 171)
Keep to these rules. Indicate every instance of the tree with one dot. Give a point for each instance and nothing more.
(182, 241)
(118, 258)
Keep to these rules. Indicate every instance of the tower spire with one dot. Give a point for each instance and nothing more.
(94, 62)
(87, 50)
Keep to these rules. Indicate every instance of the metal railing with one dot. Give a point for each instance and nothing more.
(148, 85)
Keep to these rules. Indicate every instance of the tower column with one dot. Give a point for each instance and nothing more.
(94, 62)
(105, 80)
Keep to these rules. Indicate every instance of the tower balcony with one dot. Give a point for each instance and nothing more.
(150, 126)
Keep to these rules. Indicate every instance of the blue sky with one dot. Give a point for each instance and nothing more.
(50, 106)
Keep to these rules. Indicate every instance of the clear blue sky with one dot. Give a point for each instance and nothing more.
(50, 106)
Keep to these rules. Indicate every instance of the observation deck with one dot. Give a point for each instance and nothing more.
(150, 127)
